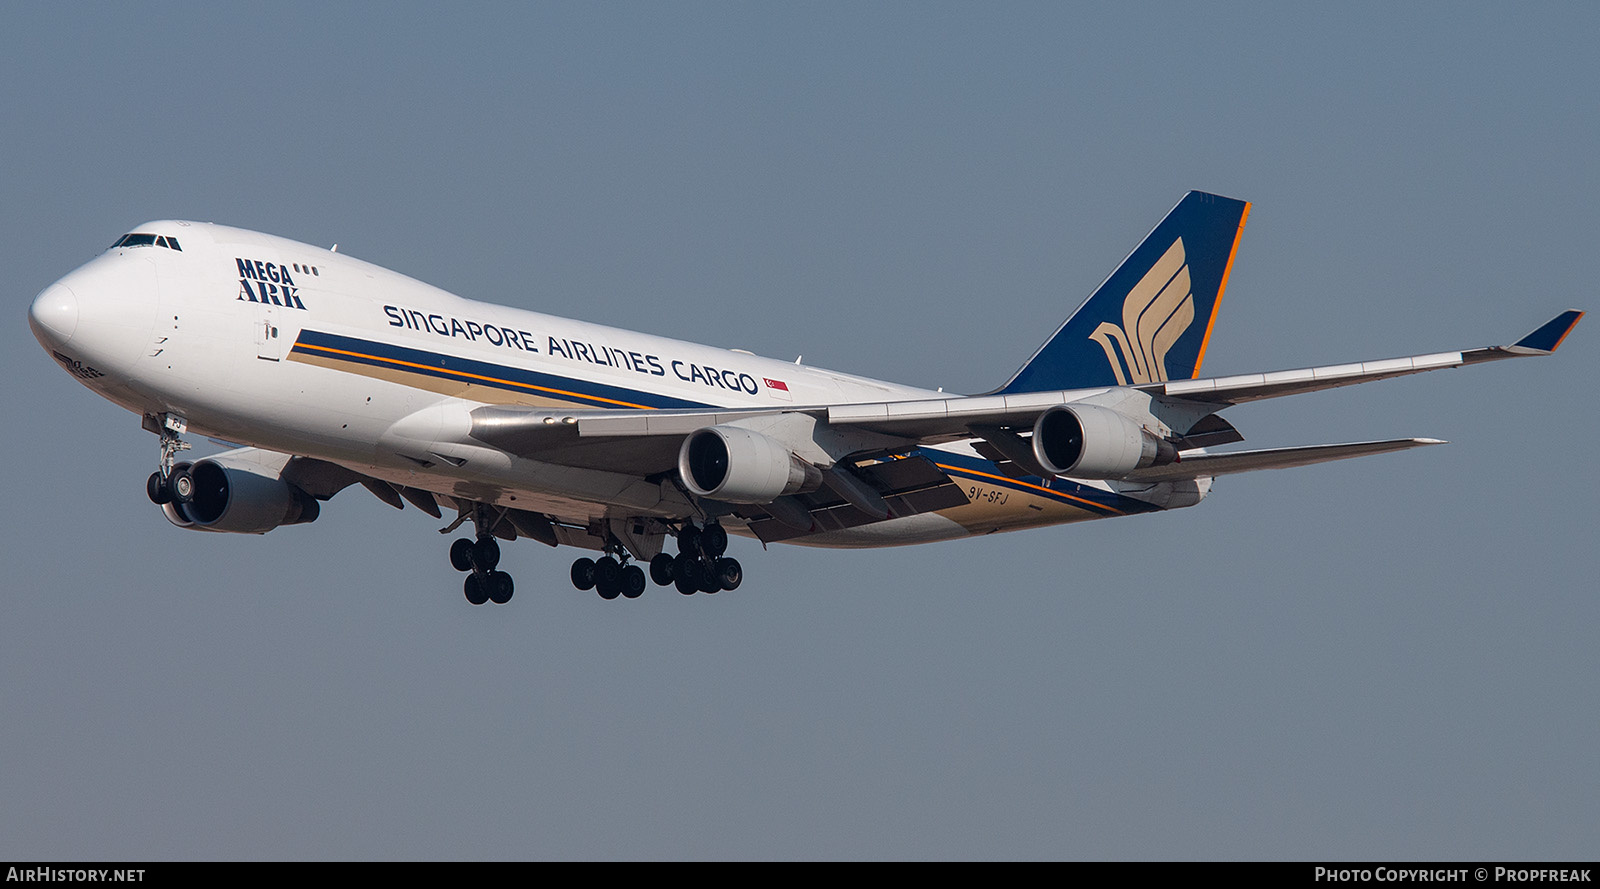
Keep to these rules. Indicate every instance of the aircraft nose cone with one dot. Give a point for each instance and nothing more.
(54, 316)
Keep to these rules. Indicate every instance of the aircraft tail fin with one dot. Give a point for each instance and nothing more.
(1151, 319)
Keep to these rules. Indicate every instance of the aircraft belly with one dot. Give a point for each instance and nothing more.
(992, 508)
(993, 504)
(925, 528)
(558, 491)
(556, 506)
(997, 501)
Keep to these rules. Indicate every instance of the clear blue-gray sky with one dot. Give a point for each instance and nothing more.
(1391, 658)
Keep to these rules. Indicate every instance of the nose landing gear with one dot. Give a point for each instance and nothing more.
(168, 483)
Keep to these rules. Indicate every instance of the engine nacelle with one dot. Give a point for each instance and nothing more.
(1088, 441)
(240, 499)
(738, 465)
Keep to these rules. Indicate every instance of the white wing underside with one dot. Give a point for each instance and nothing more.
(1208, 465)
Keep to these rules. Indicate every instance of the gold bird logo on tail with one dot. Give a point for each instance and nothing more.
(1155, 314)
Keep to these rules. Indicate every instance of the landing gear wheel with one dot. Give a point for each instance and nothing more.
(632, 581)
(500, 587)
(459, 559)
(485, 554)
(729, 573)
(714, 540)
(661, 569)
(159, 493)
(583, 574)
(688, 539)
(709, 583)
(686, 574)
(476, 589)
(606, 574)
(181, 483)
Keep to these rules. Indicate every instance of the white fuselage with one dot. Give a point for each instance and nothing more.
(292, 348)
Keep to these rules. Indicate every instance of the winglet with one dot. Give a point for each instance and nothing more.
(1548, 338)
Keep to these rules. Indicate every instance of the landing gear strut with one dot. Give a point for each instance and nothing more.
(168, 483)
(481, 558)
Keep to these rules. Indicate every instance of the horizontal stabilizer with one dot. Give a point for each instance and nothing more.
(1199, 465)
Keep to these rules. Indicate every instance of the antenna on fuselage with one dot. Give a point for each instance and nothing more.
(334, 249)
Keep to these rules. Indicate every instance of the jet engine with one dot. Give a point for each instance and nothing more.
(1088, 441)
(737, 465)
(239, 499)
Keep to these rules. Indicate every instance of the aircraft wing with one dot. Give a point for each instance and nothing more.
(639, 442)
(646, 441)
(855, 490)
(1253, 387)
(952, 418)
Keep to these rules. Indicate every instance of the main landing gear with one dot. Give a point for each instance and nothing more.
(699, 567)
(609, 577)
(481, 557)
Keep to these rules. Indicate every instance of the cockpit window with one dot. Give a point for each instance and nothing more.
(137, 239)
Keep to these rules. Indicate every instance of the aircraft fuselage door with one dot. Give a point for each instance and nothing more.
(269, 338)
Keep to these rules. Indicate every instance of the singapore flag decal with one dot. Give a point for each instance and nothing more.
(778, 389)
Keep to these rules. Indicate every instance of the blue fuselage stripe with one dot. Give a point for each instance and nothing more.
(481, 373)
